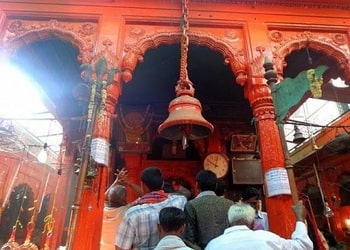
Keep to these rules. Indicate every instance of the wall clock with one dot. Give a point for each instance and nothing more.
(217, 163)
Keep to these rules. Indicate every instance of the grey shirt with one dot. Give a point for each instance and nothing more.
(206, 217)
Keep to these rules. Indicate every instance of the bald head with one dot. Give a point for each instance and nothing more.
(117, 196)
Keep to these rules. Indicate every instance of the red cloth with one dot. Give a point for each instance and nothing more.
(152, 197)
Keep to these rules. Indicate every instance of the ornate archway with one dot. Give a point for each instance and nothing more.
(23, 32)
(135, 52)
(334, 46)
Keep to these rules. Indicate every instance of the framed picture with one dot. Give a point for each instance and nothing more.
(243, 143)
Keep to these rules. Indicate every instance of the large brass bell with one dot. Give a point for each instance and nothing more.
(185, 118)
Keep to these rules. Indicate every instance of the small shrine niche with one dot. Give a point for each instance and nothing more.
(133, 128)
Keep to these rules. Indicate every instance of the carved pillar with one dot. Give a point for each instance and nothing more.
(101, 74)
(272, 157)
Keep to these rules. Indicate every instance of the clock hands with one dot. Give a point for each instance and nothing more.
(214, 163)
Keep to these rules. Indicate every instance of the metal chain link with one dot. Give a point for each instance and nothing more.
(184, 42)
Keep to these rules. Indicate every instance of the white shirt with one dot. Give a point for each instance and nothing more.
(170, 242)
(112, 216)
(241, 237)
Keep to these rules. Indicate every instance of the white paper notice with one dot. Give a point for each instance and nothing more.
(100, 151)
(277, 182)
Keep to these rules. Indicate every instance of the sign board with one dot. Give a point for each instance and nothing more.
(247, 171)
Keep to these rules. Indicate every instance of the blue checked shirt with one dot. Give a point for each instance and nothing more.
(138, 229)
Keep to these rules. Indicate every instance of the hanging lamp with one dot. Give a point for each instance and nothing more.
(185, 121)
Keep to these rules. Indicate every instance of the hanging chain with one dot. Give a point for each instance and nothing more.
(184, 42)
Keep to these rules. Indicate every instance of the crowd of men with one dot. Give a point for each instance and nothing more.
(164, 218)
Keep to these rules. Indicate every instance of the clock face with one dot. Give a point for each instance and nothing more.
(217, 163)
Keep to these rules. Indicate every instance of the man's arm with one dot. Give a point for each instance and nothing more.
(116, 182)
(124, 180)
(300, 238)
(125, 234)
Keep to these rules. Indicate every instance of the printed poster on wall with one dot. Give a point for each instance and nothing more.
(100, 151)
(277, 182)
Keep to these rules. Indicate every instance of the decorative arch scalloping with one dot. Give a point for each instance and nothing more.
(22, 32)
(232, 56)
(329, 46)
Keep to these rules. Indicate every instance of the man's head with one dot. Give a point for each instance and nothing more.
(117, 196)
(206, 180)
(220, 187)
(152, 178)
(241, 214)
(251, 196)
(171, 221)
(168, 188)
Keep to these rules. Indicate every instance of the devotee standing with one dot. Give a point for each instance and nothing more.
(115, 208)
(171, 226)
(241, 236)
(206, 214)
(138, 228)
(251, 196)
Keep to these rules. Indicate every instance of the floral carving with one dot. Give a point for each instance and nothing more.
(16, 27)
(276, 36)
(339, 39)
(136, 32)
(87, 29)
(231, 35)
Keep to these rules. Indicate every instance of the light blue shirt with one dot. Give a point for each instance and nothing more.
(261, 221)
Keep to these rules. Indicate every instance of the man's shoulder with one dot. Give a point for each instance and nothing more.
(178, 201)
(172, 200)
(177, 198)
(211, 198)
(136, 209)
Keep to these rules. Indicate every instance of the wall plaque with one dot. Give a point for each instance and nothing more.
(247, 171)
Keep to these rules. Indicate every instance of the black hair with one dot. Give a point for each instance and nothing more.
(220, 187)
(152, 177)
(206, 180)
(250, 192)
(171, 218)
(168, 187)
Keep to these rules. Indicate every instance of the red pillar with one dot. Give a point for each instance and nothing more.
(280, 214)
(89, 222)
(134, 168)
